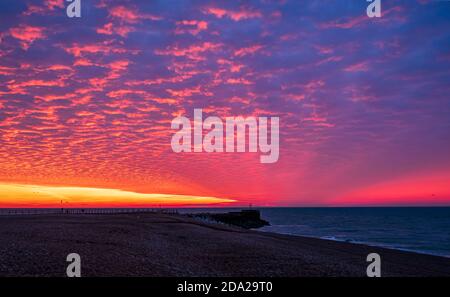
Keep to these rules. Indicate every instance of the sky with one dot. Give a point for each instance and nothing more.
(86, 103)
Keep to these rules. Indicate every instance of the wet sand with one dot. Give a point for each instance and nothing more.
(150, 244)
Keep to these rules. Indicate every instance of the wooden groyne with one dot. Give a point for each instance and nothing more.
(248, 218)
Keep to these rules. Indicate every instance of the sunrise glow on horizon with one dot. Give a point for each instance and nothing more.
(23, 195)
(86, 104)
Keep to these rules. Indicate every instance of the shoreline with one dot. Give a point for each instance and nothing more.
(368, 244)
(152, 244)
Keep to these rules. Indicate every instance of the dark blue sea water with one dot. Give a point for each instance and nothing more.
(419, 229)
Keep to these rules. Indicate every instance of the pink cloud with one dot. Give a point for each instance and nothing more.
(6, 70)
(48, 6)
(110, 28)
(236, 16)
(78, 50)
(27, 34)
(238, 81)
(116, 69)
(233, 66)
(190, 26)
(130, 15)
(36, 83)
(324, 50)
(193, 52)
(247, 50)
(329, 60)
(358, 67)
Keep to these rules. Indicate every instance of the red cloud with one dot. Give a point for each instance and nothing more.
(83, 62)
(36, 83)
(358, 67)
(247, 50)
(243, 14)
(192, 27)
(78, 50)
(110, 28)
(6, 70)
(319, 121)
(156, 81)
(234, 67)
(122, 92)
(238, 81)
(115, 67)
(49, 5)
(130, 15)
(124, 15)
(191, 52)
(50, 97)
(27, 34)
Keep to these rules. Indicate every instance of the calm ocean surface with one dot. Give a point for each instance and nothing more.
(419, 229)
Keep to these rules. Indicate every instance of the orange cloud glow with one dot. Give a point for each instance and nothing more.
(19, 195)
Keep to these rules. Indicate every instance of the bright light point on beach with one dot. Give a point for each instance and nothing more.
(23, 195)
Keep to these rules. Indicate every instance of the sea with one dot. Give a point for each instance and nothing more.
(418, 229)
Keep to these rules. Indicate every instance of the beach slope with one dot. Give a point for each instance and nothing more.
(150, 244)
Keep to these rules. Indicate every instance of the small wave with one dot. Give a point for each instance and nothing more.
(353, 241)
(386, 246)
